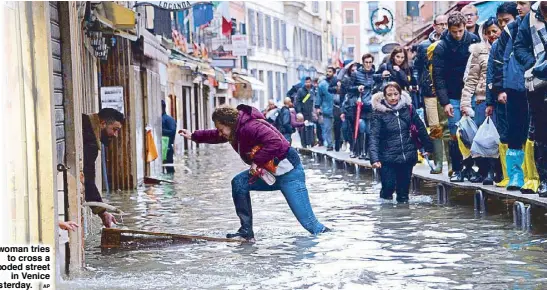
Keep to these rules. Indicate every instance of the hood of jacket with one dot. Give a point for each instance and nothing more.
(480, 48)
(378, 102)
(246, 114)
(432, 36)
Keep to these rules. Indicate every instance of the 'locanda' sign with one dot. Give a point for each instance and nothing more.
(167, 5)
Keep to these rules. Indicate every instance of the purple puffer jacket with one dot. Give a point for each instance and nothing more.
(251, 130)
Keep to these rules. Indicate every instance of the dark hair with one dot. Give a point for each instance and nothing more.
(307, 79)
(489, 22)
(365, 56)
(393, 85)
(331, 68)
(110, 116)
(348, 71)
(226, 115)
(508, 8)
(456, 19)
(396, 51)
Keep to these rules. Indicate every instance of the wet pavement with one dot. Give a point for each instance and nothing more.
(374, 245)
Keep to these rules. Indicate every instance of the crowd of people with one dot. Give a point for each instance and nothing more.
(423, 99)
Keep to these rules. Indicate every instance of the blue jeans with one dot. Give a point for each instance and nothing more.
(288, 137)
(326, 127)
(458, 115)
(480, 113)
(293, 186)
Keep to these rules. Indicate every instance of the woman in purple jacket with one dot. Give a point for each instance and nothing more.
(245, 128)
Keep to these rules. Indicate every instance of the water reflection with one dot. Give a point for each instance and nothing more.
(374, 245)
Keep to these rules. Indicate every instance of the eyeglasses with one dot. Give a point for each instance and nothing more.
(469, 15)
(442, 24)
(368, 61)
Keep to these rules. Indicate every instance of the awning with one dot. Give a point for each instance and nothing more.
(230, 80)
(182, 60)
(206, 69)
(121, 17)
(117, 18)
(255, 83)
(183, 63)
(153, 49)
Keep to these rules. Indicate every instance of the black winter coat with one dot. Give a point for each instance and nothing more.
(449, 62)
(390, 140)
(305, 108)
(403, 78)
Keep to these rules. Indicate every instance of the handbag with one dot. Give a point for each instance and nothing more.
(414, 133)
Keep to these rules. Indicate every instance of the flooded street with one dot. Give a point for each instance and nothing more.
(373, 245)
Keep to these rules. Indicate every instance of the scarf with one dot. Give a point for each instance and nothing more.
(538, 32)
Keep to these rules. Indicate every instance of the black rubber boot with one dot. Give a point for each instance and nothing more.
(489, 164)
(456, 157)
(470, 173)
(244, 211)
(540, 155)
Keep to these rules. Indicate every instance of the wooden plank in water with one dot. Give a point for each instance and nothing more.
(117, 238)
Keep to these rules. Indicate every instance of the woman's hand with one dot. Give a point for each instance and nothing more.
(361, 88)
(186, 134)
(253, 169)
(396, 68)
(386, 74)
(377, 165)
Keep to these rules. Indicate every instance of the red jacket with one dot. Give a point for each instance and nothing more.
(251, 130)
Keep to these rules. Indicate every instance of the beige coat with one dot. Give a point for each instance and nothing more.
(475, 75)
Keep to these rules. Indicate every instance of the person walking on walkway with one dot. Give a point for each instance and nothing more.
(449, 62)
(528, 48)
(475, 86)
(421, 65)
(392, 148)
(304, 105)
(325, 106)
(245, 129)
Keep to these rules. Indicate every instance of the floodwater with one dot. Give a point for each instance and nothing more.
(374, 245)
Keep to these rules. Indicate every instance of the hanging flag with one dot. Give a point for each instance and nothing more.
(196, 50)
(224, 9)
(203, 14)
(204, 53)
(340, 59)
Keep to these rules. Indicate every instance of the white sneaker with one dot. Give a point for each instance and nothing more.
(348, 150)
(343, 147)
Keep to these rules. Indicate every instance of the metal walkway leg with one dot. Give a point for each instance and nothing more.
(521, 215)
(442, 194)
(480, 202)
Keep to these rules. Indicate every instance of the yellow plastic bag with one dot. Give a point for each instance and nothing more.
(531, 176)
(151, 151)
(466, 152)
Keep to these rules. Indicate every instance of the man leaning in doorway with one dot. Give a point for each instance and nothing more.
(96, 129)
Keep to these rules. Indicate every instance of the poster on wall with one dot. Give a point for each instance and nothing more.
(112, 97)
